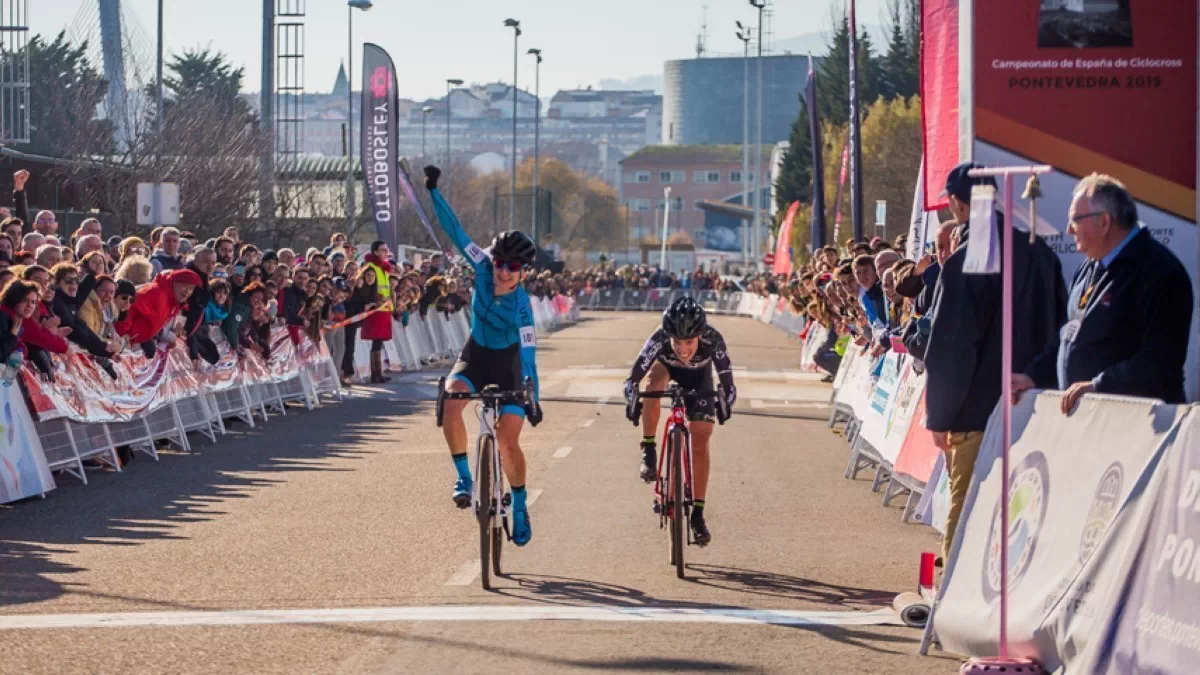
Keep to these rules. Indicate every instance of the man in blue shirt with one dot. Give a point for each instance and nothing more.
(1130, 307)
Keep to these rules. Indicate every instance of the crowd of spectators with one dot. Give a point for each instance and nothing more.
(112, 296)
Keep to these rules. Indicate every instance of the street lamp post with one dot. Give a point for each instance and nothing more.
(537, 121)
(512, 199)
(449, 83)
(424, 118)
(351, 5)
(758, 168)
(743, 34)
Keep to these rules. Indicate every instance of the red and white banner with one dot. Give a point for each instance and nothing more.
(939, 95)
(82, 392)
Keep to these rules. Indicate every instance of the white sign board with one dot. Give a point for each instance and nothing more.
(880, 212)
(168, 204)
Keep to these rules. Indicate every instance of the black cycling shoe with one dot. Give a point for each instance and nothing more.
(700, 530)
(649, 468)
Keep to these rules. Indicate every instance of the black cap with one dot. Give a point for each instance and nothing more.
(958, 182)
(126, 287)
(113, 241)
(270, 254)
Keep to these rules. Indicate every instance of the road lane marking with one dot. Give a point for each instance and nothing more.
(450, 613)
(603, 401)
(562, 452)
(586, 423)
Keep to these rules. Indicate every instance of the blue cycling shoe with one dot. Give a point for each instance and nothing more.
(462, 493)
(522, 531)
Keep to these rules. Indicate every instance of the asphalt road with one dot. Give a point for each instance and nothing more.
(326, 542)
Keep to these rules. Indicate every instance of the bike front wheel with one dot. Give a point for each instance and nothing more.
(484, 513)
(678, 519)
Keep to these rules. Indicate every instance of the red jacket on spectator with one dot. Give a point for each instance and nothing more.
(155, 305)
(35, 335)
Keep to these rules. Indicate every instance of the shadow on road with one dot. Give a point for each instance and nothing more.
(789, 587)
(148, 501)
(571, 591)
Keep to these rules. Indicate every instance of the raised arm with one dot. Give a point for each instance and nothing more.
(450, 225)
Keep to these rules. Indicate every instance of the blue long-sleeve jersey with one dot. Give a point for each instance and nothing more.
(497, 321)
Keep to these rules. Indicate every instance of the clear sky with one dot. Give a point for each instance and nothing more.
(583, 41)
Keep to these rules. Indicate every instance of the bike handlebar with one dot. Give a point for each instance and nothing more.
(486, 395)
(672, 392)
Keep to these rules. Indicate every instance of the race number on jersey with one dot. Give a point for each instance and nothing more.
(475, 253)
(528, 336)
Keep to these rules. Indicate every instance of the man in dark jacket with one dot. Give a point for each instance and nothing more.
(294, 299)
(1130, 309)
(964, 352)
(200, 345)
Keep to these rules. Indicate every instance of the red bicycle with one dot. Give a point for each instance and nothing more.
(673, 489)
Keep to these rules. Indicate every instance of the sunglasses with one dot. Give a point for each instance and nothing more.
(510, 265)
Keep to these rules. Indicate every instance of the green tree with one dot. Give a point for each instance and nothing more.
(891, 136)
(795, 175)
(63, 100)
(899, 69)
(834, 94)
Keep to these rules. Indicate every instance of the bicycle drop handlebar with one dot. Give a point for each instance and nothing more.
(489, 395)
(678, 392)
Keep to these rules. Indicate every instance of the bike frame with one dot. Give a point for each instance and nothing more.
(662, 487)
(488, 414)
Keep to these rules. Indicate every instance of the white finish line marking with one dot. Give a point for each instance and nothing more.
(466, 574)
(562, 452)
(449, 613)
(586, 423)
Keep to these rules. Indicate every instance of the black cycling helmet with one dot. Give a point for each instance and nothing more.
(684, 319)
(514, 245)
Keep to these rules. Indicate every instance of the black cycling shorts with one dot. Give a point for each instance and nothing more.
(699, 379)
(479, 367)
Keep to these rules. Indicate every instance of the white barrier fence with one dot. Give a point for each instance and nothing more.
(772, 309)
(36, 449)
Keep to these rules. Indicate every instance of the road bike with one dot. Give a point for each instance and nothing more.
(489, 496)
(673, 489)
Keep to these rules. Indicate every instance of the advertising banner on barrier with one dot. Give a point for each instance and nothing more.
(1089, 86)
(935, 498)
(879, 404)
(1148, 620)
(918, 454)
(23, 469)
(1070, 475)
(817, 335)
(84, 393)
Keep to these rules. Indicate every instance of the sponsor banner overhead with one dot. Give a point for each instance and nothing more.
(939, 97)
(1070, 475)
(1107, 86)
(379, 156)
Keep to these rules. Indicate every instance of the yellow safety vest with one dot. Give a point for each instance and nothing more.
(383, 284)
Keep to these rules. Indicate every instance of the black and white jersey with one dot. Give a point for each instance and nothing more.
(710, 352)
